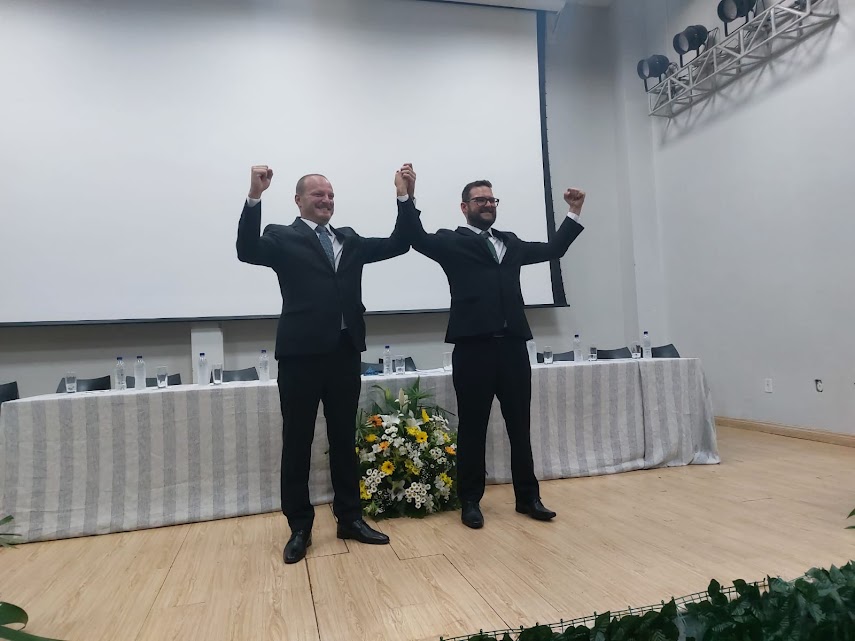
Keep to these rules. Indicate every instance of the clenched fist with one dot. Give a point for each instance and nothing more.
(409, 175)
(260, 178)
(575, 198)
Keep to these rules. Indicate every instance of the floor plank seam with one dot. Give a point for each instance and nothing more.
(312, 596)
(162, 583)
(475, 590)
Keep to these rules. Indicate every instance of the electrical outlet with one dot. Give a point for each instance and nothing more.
(818, 384)
(768, 386)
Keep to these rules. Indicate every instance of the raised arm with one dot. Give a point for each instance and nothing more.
(409, 218)
(252, 246)
(377, 249)
(557, 246)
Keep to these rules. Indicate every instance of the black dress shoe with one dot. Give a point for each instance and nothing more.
(536, 510)
(471, 515)
(359, 531)
(295, 549)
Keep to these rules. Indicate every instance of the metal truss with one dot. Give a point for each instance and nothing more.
(767, 35)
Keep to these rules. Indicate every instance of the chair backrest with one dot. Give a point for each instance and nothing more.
(172, 379)
(665, 351)
(87, 384)
(9, 392)
(409, 364)
(248, 374)
(560, 356)
(608, 354)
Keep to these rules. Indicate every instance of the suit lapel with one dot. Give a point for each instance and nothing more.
(312, 238)
(346, 248)
(482, 242)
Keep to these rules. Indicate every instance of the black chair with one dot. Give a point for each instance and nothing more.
(171, 379)
(366, 369)
(87, 384)
(9, 392)
(665, 351)
(409, 364)
(562, 356)
(232, 375)
(610, 354)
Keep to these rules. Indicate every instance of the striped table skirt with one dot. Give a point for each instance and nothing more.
(92, 463)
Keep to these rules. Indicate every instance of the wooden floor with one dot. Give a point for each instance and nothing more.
(775, 505)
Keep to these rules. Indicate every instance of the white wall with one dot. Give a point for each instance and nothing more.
(726, 231)
(753, 191)
(584, 152)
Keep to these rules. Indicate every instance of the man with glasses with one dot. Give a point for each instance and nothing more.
(488, 327)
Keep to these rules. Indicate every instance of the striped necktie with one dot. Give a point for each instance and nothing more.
(326, 242)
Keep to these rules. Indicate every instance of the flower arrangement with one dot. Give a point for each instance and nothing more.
(407, 456)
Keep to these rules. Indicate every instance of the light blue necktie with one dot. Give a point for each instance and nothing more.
(326, 243)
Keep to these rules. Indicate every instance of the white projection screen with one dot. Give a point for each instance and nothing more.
(128, 130)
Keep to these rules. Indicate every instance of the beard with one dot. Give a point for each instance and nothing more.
(482, 218)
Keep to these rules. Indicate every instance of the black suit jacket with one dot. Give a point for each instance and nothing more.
(315, 297)
(485, 295)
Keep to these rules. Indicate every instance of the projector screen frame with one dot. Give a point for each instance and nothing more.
(558, 292)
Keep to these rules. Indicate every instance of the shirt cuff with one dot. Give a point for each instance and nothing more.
(252, 202)
(570, 214)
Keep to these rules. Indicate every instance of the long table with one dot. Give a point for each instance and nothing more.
(99, 462)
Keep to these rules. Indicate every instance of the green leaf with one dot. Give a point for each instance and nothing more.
(11, 613)
(537, 633)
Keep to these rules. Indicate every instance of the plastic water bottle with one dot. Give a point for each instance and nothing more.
(577, 349)
(121, 382)
(204, 372)
(646, 352)
(387, 361)
(139, 373)
(263, 366)
(531, 347)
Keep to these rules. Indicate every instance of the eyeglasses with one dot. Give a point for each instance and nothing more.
(481, 201)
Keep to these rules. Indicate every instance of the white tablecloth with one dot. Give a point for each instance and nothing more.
(91, 463)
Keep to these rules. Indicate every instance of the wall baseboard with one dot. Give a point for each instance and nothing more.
(847, 440)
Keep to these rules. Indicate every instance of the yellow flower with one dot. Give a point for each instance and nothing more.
(357, 450)
(363, 492)
(371, 438)
(387, 468)
(411, 468)
(425, 416)
(421, 437)
(412, 431)
(446, 438)
(450, 450)
(446, 479)
(383, 445)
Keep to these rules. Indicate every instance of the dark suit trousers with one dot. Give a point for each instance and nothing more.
(482, 369)
(304, 381)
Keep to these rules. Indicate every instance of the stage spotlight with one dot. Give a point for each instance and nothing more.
(653, 67)
(730, 10)
(692, 39)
